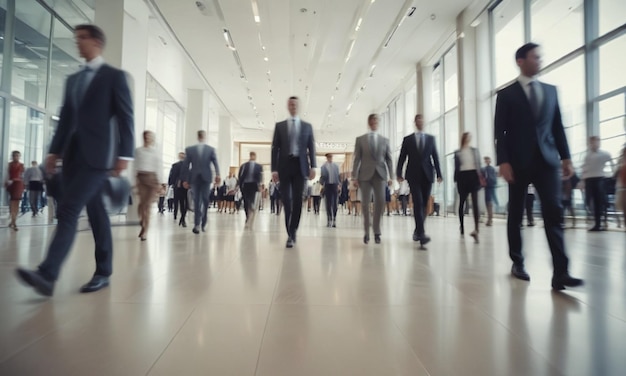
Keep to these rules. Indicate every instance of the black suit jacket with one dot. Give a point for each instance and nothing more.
(518, 134)
(101, 122)
(243, 173)
(175, 174)
(280, 147)
(423, 164)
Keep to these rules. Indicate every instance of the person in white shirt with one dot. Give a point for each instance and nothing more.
(403, 194)
(316, 194)
(33, 179)
(149, 170)
(231, 184)
(593, 175)
(468, 178)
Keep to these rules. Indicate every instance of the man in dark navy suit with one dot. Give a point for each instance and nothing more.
(180, 192)
(423, 163)
(94, 137)
(250, 177)
(532, 148)
(293, 160)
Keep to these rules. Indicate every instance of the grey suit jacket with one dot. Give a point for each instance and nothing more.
(328, 172)
(367, 162)
(198, 165)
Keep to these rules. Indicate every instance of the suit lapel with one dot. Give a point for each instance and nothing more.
(519, 90)
(94, 81)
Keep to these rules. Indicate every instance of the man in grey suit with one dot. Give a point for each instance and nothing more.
(532, 148)
(293, 160)
(91, 146)
(330, 181)
(197, 174)
(371, 170)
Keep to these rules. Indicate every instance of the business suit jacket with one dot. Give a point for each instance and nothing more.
(280, 147)
(200, 164)
(518, 134)
(257, 173)
(328, 172)
(367, 162)
(421, 164)
(101, 123)
(175, 174)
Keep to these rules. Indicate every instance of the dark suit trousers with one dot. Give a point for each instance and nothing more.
(248, 191)
(82, 187)
(420, 190)
(330, 194)
(595, 190)
(547, 182)
(201, 191)
(291, 189)
(180, 201)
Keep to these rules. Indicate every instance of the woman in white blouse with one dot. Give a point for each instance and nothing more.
(468, 178)
(148, 168)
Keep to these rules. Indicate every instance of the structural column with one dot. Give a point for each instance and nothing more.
(196, 115)
(225, 145)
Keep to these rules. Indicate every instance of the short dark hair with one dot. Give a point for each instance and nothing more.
(369, 118)
(418, 116)
(328, 155)
(294, 97)
(94, 31)
(523, 51)
(201, 133)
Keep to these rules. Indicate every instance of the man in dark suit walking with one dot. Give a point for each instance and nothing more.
(91, 146)
(330, 180)
(532, 148)
(197, 174)
(421, 151)
(250, 177)
(293, 160)
(180, 193)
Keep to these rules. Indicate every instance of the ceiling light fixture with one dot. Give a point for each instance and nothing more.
(229, 40)
(255, 11)
(358, 24)
(372, 70)
(266, 58)
(350, 50)
(399, 20)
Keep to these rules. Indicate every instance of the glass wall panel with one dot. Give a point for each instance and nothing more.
(612, 14)
(30, 61)
(65, 61)
(613, 125)
(558, 26)
(436, 93)
(508, 25)
(570, 82)
(451, 85)
(26, 133)
(612, 63)
(3, 11)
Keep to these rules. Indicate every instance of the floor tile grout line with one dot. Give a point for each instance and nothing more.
(269, 312)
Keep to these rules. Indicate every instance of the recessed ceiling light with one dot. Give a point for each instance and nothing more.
(266, 58)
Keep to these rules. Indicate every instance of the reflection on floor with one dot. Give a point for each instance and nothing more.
(236, 302)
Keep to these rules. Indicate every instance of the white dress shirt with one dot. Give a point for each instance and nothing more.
(148, 159)
(594, 164)
(467, 159)
(525, 81)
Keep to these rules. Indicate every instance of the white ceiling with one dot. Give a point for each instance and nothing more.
(307, 42)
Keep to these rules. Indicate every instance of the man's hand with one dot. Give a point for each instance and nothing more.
(506, 171)
(356, 183)
(439, 180)
(120, 165)
(51, 163)
(400, 179)
(389, 182)
(311, 174)
(275, 175)
(568, 168)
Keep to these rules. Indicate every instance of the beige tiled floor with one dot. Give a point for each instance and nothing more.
(235, 302)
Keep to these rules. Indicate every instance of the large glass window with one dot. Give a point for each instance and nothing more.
(612, 14)
(3, 12)
(570, 82)
(436, 91)
(26, 133)
(451, 89)
(508, 25)
(65, 61)
(30, 61)
(558, 26)
(613, 124)
(612, 65)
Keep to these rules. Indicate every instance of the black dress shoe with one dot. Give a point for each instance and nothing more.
(595, 229)
(366, 239)
(519, 272)
(559, 283)
(36, 280)
(195, 230)
(97, 282)
(416, 237)
(377, 239)
(424, 239)
(289, 243)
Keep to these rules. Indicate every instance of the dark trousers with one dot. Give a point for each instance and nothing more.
(201, 191)
(490, 195)
(547, 182)
(317, 200)
(180, 201)
(291, 190)
(82, 187)
(530, 204)
(595, 193)
(467, 183)
(404, 200)
(420, 190)
(33, 198)
(330, 194)
(249, 191)
(272, 206)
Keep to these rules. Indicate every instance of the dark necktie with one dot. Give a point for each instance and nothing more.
(420, 143)
(293, 137)
(372, 143)
(81, 87)
(533, 98)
